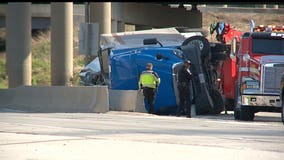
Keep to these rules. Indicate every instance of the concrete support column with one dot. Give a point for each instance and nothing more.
(120, 26)
(113, 26)
(117, 26)
(19, 59)
(61, 43)
(275, 6)
(101, 13)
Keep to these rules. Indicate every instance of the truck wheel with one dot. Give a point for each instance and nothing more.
(218, 102)
(203, 43)
(246, 113)
(237, 113)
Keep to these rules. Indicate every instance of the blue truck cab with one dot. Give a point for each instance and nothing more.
(123, 57)
(127, 65)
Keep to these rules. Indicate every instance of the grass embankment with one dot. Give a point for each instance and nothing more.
(41, 69)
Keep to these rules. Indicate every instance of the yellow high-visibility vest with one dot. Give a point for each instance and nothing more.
(149, 79)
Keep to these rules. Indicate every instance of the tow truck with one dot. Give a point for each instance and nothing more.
(252, 72)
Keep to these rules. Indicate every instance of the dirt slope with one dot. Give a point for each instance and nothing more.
(240, 21)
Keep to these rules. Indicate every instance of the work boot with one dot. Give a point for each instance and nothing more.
(150, 111)
(178, 114)
(188, 112)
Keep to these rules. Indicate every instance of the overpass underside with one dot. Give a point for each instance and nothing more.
(147, 15)
(140, 15)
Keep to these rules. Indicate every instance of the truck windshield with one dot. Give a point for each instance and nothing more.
(268, 46)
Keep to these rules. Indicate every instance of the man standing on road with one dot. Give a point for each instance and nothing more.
(148, 84)
(184, 78)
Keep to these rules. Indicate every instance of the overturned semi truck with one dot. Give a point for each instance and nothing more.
(123, 56)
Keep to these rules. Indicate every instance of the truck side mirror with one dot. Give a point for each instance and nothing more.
(151, 41)
(246, 57)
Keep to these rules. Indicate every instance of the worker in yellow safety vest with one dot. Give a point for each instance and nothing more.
(148, 84)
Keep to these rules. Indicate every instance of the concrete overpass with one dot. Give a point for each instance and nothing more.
(141, 15)
(157, 15)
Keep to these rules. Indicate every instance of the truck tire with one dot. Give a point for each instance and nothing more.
(218, 102)
(202, 105)
(203, 43)
(246, 113)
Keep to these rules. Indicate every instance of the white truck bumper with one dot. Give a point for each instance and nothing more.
(261, 100)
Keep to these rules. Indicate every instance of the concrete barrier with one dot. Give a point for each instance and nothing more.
(56, 99)
(126, 100)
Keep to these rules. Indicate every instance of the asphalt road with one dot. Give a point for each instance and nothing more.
(130, 135)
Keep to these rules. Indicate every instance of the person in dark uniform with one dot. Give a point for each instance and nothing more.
(184, 78)
(148, 83)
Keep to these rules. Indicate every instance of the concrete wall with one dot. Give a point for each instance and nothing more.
(126, 100)
(56, 99)
(84, 99)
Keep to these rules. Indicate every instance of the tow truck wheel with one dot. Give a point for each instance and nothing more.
(246, 113)
(203, 43)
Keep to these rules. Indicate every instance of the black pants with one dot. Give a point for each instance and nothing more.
(149, 97)
(184, 101)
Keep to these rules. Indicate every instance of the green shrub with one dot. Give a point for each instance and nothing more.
(3, 75)
(41, 63)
